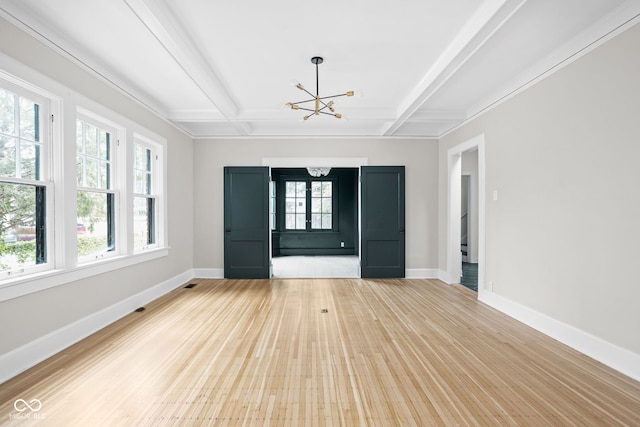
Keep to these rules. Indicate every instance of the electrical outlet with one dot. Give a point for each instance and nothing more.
(491, 286)
(342, 244)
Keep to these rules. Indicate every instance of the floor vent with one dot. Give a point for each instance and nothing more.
(190, 285)
(324, 310)
(139, 309)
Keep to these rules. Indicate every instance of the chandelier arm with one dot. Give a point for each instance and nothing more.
(323, 103)
(306, 109)
(309, 93)
(332, 96)
(328, 114)
(302, 102)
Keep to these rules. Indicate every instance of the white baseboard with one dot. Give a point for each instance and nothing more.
(444, 276)
(208, 273)
(410, 273)
(28, 355)
(421, 273)
(616, 357)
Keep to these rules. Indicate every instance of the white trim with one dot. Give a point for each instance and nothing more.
(410, 273)
(454, 170)
(298, 162)
(25, 285)
(603, 351)
(34, 352)
(611, 25)
(208, 273)
(422, 273)
(443, 276)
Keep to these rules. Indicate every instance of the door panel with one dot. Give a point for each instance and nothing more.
(246, 222)
(383, 222)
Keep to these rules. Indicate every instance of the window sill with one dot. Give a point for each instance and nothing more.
(24, 285)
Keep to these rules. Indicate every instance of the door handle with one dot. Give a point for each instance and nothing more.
(401, 230)
(228, 230)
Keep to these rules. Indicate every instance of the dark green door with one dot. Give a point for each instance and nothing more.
(383, 221)
(246, 222)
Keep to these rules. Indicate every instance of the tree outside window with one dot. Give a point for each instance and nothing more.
(22, 194)
(144, 201)
(96, 198)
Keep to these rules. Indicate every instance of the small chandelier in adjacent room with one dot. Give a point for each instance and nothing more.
(320, 104)
(317, 172)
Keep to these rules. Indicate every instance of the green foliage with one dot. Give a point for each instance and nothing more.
(17, 206)
(90, 244)
(25, 252)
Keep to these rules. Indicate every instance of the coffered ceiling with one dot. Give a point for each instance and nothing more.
(224, 68)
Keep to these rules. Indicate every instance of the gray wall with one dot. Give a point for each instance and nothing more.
(37, 314)
(562, 238)
(419, 156)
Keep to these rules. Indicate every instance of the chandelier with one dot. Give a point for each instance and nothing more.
(317, 172)
(320, 105)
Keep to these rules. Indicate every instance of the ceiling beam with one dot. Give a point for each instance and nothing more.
(170, 34)
(483, 24)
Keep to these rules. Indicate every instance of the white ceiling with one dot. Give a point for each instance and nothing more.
(224, 68)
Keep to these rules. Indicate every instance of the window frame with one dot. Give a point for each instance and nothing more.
(43, 183)
(308, 197)
(59, 177)
(113, 193)
(157, 190)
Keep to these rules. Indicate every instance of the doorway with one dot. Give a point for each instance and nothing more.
(469, 219)
(314, 223)
(466, 163)
(381, 223)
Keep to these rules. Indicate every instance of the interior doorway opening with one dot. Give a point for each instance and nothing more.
(314, 223)
(469, 219)
(466, 211)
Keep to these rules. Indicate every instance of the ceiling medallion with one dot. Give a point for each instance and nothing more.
(319, 101)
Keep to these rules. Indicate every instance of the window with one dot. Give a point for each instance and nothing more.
(144, 200)
(23, 201)
(321, 205)
(301, 194)
(272, 204)
(296, 205)
(96, 202)
(112, 204)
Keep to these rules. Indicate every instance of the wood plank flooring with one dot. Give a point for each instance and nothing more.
(263, 352)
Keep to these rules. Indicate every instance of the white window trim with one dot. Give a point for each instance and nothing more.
(49, 104)
(158, 185)
(64, 103)
(118, 181)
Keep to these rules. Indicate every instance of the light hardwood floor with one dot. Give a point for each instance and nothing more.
(263, 352)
